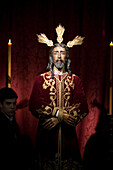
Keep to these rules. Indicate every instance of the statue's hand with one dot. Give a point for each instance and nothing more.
(50, 123)
(70, 119)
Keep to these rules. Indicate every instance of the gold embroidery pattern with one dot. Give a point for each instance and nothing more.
(60, 90)
(69, 83)
(48, 82)
(44, 111)
(74, 109)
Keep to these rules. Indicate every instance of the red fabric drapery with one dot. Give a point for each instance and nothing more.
(22, 20)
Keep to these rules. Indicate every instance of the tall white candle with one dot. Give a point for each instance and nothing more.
(111, 72)
(9, 63)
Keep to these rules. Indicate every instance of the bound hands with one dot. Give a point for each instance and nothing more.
(50, 123)
(70, 119)
(62, 116)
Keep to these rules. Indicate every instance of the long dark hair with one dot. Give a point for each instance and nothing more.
(7, 93)
(67, 63)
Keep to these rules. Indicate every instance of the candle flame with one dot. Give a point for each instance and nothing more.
(9, 43)
(111, 43)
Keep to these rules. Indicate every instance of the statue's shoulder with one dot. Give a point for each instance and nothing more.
(46, 75)
(72, 75)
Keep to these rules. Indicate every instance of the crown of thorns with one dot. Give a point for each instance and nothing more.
(42, 38)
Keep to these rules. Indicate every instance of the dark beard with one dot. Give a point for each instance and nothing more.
(59, 66)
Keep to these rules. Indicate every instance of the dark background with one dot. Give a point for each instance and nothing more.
(22, 20)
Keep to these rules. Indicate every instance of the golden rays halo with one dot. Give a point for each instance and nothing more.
(42, 38)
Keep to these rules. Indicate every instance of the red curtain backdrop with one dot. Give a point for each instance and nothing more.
(22, 20)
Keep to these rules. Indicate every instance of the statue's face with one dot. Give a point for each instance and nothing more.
(59, 56)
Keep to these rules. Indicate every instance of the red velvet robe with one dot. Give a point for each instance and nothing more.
(47, 95)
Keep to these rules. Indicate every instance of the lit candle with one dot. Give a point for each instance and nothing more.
(9, 63)
(111, 43)
(111, 71)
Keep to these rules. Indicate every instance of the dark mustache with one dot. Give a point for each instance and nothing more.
(59, 59)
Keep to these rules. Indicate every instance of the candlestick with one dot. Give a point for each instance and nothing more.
(111, 71)
(9, 63)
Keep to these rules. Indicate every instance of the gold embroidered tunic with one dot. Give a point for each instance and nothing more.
(49, 95)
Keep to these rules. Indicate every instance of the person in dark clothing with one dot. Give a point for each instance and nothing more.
(14, 151)
(98, 152)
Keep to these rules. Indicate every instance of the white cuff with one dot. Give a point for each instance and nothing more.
(57, 112)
